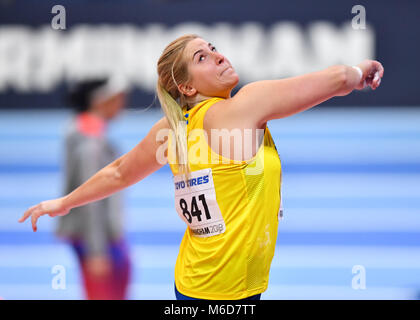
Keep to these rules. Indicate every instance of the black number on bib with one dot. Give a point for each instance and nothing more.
(203, 200)
(195, 211)
(185, 212)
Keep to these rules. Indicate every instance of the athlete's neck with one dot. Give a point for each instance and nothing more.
(200, 98)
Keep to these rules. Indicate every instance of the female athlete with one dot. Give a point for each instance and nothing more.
(227, 172)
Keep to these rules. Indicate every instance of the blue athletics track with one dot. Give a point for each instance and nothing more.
(351, 195)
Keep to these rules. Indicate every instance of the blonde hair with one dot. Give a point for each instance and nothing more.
(173, 70)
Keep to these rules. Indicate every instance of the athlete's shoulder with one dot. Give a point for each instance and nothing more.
(226, 114)
(163, 123)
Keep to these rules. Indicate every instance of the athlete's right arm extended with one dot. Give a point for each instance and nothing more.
(130, 168)
(274, 99)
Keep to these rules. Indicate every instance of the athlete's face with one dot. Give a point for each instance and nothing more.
(211, 74)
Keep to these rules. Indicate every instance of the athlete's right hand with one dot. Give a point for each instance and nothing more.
(53, 208)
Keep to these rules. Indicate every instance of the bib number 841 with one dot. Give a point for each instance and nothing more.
(195, 211)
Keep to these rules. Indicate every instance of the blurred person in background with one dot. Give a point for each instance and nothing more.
(95, 231)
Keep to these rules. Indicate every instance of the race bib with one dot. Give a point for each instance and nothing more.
(195, 202)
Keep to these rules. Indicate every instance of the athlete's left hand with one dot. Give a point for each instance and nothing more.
(373, 71)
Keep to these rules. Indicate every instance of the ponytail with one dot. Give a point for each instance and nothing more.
(172, 69)
(175, 117)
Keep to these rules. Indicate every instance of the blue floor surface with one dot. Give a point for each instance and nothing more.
(351, 193)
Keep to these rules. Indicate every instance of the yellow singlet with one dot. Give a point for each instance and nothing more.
(231, 209)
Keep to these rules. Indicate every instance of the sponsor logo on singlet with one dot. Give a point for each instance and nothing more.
(192, 182)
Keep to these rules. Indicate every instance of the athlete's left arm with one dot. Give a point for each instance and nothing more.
(273, 99)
